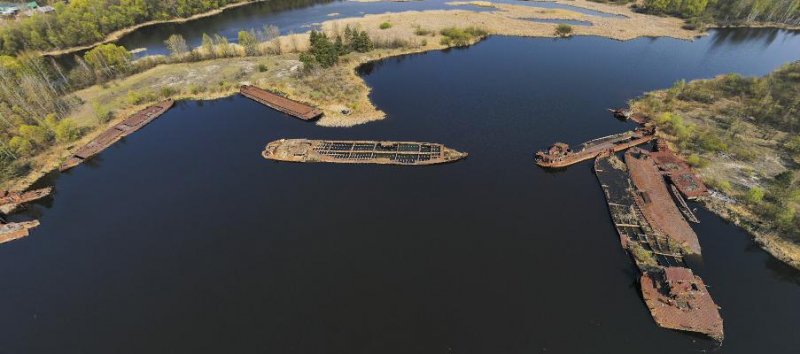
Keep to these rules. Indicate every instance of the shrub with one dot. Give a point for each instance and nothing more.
(755, 195)
(460, 37)
(422, 32)
(66, 130)
(262, 67)
(563, 30)
(385, 25)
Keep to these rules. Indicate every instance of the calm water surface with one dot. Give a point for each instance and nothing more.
(182, 239)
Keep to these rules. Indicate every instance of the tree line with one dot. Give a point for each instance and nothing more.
(80, 22)
(728, 11)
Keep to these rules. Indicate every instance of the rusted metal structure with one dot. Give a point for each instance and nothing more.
(115, 133)
(626, 114)
(679, 300)
(373, 152)
(280, 103)
(561, 155)
(16, 230)
(656, 202)
(678, 172)
(9, 201)
(676, 298)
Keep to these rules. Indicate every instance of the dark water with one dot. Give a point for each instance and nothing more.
(291, 16)
(182, 239)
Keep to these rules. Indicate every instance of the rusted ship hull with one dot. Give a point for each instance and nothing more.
(679, 300)
(560, 155)
(656, 202)
(9, 201)
(280, 103)
(115, 133)
(360, 152)
(679, 173)
(17, 230)
(676, 298)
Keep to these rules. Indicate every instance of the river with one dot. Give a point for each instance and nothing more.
(183, 239)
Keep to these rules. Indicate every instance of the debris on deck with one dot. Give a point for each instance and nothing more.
(280, 103)
(115, 133)
(9, 201)
(16, 230)
(679, 300)
(561, 155)
(676, 298)
(679, 172)
(375, 152)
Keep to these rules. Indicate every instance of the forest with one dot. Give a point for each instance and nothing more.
(728, 12)
(81, 22)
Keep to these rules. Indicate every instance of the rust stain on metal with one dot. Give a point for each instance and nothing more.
(679, 172)
(373, 152)
(561, 155)
(656, 201)
(679, 300)
(9, 201)
(16, 230)
(280, 103)
(115, 133)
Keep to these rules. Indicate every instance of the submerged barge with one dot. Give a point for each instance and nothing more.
(561, 155)
(679, 173)
(16, 230)
(373, 152)
(280, 103)
(9, 201)
(677, 299)
(115, 133)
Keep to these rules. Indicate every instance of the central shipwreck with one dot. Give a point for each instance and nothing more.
(373, 152)
(561, 155)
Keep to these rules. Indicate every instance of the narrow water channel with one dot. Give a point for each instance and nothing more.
(182, 239)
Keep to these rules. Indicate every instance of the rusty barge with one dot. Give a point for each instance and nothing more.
(280, 103)
(561, 155)
(372, 152)
(16, 230)
(678, 172)
(656, 202)
(676, 298)
(115, 133)
(9, 201)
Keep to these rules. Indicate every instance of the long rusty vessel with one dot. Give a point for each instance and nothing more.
(561, 155)
(374, 152)
(16, 230)
(677, 299)
(115, 133)
(280, 103)
(656, 202)
(9, 201)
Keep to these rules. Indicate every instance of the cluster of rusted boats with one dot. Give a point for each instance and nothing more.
(343, 151)
(646, 195)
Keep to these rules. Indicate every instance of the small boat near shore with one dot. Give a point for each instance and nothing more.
(561, 155)
(9, 201)
(116, 132)
(280, 103)
(372, 152)
(16, 230)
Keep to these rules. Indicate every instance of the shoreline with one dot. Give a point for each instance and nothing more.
(116, 35)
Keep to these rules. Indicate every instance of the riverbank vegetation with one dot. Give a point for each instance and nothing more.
(742, 135)
(728, 12)
(80, 22)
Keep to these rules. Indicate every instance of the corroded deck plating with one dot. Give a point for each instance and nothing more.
(561, 155)
(11, 200)
(280, 103)
(16, 230)
(676, 298)
(374, 152)
(115, 133)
